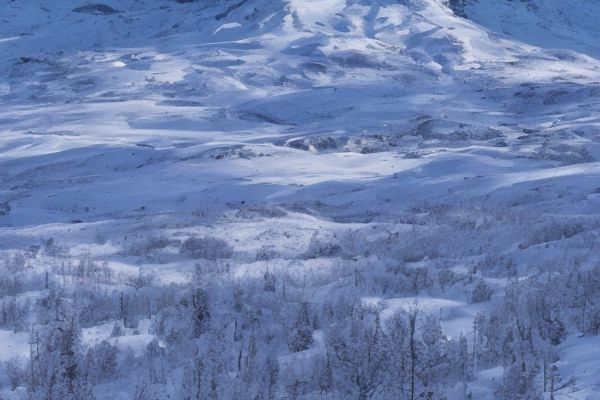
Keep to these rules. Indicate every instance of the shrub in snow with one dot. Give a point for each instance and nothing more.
(447, 278)
(118, 330)
(100, 239)
(255, 211)
(142, 245)
(481, 293)
(518, 384)
(201, 312)
(16, 372)
(52, 250)
(269, 282)
(265, 254)
(592, 325)
(557, 331)
(14, 313)
(209, 248)
(142, 279)
(14, 264)
(57, 361)
(102, 361)
(4, 208)
(300, 337)
(458, 7)
(553, 231)
(319, 247)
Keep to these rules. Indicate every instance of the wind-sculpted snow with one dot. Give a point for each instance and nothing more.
(241, 199)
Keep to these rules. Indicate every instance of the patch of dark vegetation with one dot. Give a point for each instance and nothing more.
(241, 152)
(257, 211)
(458, 7)
(351, 144)
(4, 208)
(441, 129)
(356, 60)
(553, 231)
(142, 245)
(322, 248)
(260, 117)
(565, 153)
(208, 248)
(96, 9)
(231, 9)
(228, 152)
(27, 60)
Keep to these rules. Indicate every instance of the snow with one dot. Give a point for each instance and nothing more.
(165, 120)
(456, 317)
(550, 24)
(14, 345)
(135, 340)
(579, 359)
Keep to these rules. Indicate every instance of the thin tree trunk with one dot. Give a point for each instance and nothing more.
(413, 355)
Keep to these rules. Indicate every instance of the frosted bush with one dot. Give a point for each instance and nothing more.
(208, 247)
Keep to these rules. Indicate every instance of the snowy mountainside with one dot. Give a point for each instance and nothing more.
(554, 24)
(214, 188)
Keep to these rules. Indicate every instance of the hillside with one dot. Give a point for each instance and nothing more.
(250, 198)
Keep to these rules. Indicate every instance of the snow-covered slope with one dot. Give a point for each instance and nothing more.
(275, 124)
(366, 77)
(551, 24)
